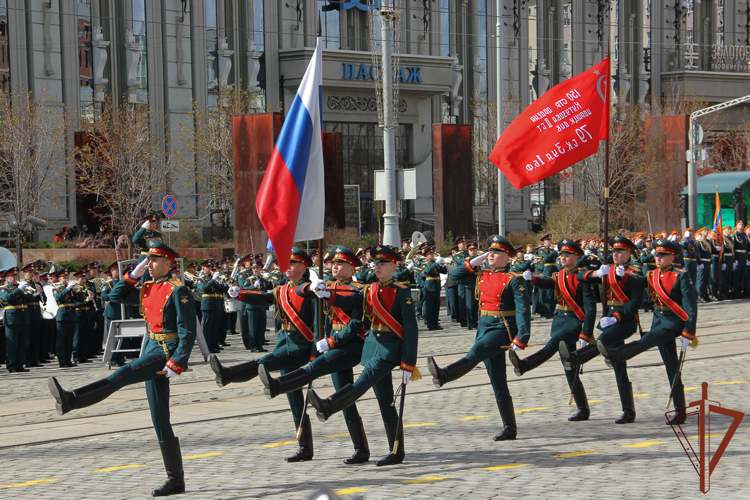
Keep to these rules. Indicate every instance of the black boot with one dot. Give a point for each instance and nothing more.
(628, 404)
(359, 440)
(283, 384)
(509, 420)
(170, 452)
(454, 371)
(78, 398)
(237, 373)
(521, 366)
(582, 402)
(305, 451)
(620, 354)
(578, 357)
(397, 454)
(678, 397)
(334, 403)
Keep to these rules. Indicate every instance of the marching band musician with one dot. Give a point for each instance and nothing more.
(15, 297)
(253, 318)
(83, 300)
(35, 317)
(432, 268)
(504, 314)
(67, 319)
(575, 316)
(212, 291)
(170, 322)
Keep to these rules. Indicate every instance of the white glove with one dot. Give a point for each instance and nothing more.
(603, 271)
(316, 284)
(514, 347)
(23, 285)
(70, 285)
(234, 292)
(266, 275)
(672, 238)
(699, 237)
(255, 285)
(440, 260)
(170, 373)
(700, 266)
(139, 269)
(582, 343)
(410, 266)
(372, 264)
(323, 294)
(653, 252)
(527, 275)
(736, 264)
(216, 275)
(620, 271)
(607, 321)
(723, 266)
(685, 343)
(407, 377)
(322, 346)
(687, 234)
(587, 252)
(477, 261)
(409, 261)
(145, 224)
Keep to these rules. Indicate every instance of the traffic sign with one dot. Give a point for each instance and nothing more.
(170, 226)
(169, 205)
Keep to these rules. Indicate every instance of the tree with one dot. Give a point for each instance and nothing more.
(31, 136)
(125, 159)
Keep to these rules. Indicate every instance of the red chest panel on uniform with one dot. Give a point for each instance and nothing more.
(571, 280)
(667, 280)
(295, 300)
(340, 317)
(387, 296)
(491, 287)
(155, 297)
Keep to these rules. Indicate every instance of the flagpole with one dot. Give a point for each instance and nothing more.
(606, 193)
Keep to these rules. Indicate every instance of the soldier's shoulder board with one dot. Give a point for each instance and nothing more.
(355, 284)
(399, 285)
(517, 275)
(177, 283)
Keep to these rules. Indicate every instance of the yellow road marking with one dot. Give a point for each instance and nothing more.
(342, 435)
(713, 434)
(205, 455)
(640, 395)
(418, 425)
(643, 444)
(473, 418)
(274, 445)
(691, 388)
(502, 467)
(429, 479)
(595, 400)
(530, 409)
(730, 383)
(110, 469)
(28, 483)
(349, 491)
(575, 454)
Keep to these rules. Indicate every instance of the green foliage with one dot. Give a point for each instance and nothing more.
(38, 244)
(347, 237)
(188, 237)
(72, 265)
(523, 238)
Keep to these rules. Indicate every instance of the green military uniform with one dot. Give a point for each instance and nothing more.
(704, 268)
(16, 322)
(432, 271)
(168, 308)
(34, 329)
(82, 341)
(548, 258)
(647, 264)
(624, 296)
(451, 295)
(459, 259)
(67, 324)
(676, 313)
(253, 319)
(141, 238)
(212, 308)
(690, 257)
(391, 342)
(504, 314)
(740, 262)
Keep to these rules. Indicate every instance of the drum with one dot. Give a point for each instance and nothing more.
(49, 310)
(446, 278)
(230, 305)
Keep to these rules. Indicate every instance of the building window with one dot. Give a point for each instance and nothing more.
(258, 31)
(211, 48)
(689, 36)
(357, 30)
(330, 20)
(566, 14)
(85, 64)
(139, 30)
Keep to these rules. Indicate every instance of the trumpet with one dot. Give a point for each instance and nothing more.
(190, 276)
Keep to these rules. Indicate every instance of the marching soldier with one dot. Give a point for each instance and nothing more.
(472, 305)
(548, 257)
(15, 296)
(504, 315)
(143, 235)
(675, 317)
(740, 258)
(212, 304)
(574, 319)
(391, 342)
(168, 308)
(647, 264)
(293, 345)
(704, 267)
(339, 353)
(432, 269)
(67, 319)
(624, 296)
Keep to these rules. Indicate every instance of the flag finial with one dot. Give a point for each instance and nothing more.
(320, 31)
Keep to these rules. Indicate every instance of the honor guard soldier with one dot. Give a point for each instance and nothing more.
(293, 345)
(647, 264)
(548, 258)
(67, 319)
(391, 342)
(143, 235)
(675, 316)
(432, 268)
(254, 315)
(211, 288)
(575, 318)
(704, 264)
(690, 255)
(459, 259)
(727, 263)
(16, 297)
(339, 353)
(504, 315)
(740, 259)
(472, 305)
(624, 295)
(168, 309)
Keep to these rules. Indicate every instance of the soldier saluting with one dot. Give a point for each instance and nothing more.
(169, 311)
(503, 315)
(575, 318)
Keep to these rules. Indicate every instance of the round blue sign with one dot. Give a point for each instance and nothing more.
(169, 205)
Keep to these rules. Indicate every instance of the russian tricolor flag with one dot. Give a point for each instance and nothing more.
(291, 199)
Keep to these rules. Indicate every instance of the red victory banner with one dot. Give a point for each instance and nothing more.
(557, 130)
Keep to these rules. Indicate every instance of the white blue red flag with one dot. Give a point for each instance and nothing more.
(291, 198)
(718, 225)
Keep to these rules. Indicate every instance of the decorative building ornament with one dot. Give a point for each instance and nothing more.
(180, 27)
(253, 67)
(99, 58)
(47, 39)
(132, 58)
(457, 78)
